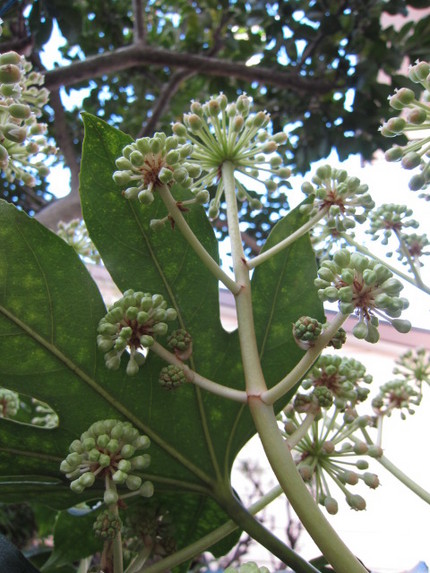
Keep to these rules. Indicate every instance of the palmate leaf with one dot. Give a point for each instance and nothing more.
(49, 312)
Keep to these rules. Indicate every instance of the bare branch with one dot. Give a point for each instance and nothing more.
(139, 31)
(163, 100)
(63, 138)
(138, 55)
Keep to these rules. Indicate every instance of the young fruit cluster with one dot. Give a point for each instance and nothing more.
(343, 198)
(22, 137)
(364, 287)
(133, 322)
(328, 452)
(109, 450)
(171, 377)
(107, 525)
(221, 131)
(306, 331)
(181, 343)
(415, 118)
(343, 377)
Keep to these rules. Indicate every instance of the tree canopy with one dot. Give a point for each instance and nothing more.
(323, 68)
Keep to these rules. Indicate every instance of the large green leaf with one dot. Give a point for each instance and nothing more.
(49, 312)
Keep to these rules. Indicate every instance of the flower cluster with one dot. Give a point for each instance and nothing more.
(133, 322)
(415, 119)
(414, 366)
(181, 343)
(107, 525)
(339, 196)
(343, 377)
(108, 450)
(150, 163)
(46, 416)
(396, 395)
(75, 234)
(365, 287)
(330, 452)
(388, 219)
(415, 246)
(21, 135)
(221, 131)
(9, 403)
(171, 377)
(307, 330)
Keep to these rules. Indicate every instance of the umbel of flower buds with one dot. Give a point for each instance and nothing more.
(150, 163)
(365, 288)
(133, 322)
(221, 131)
(346, 378)
(396, 395)
(21, 135)
(415, 118)
(171, 377)
(110, 450)
(343, 198)
(327, 453)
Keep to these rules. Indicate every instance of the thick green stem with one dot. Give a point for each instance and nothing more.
(198, 248)
(396, 472)
(300, 369)
(197, 379)
(210, 539)
(263, 414)
(255, 383)
(280, 458)
(365, 251)
(287, 241)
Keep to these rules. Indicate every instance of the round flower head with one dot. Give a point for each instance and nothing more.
(415, 246)
(396, 395)
(306, 331)
(133, 322)
(388, 219)
(181, 343)
(153, 525)
(341, 199)
(344, 377)
(221, 131)
(364, 287)
(21, 135)
(171, 377)
(415, 118)
(328, 454)
(414, 366)
(150, 163)
(109, 450)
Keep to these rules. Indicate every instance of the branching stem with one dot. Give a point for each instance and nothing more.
(265, 255)
(193, 241)
(197, 379)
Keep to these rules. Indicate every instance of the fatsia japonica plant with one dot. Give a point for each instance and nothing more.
(127, 420)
